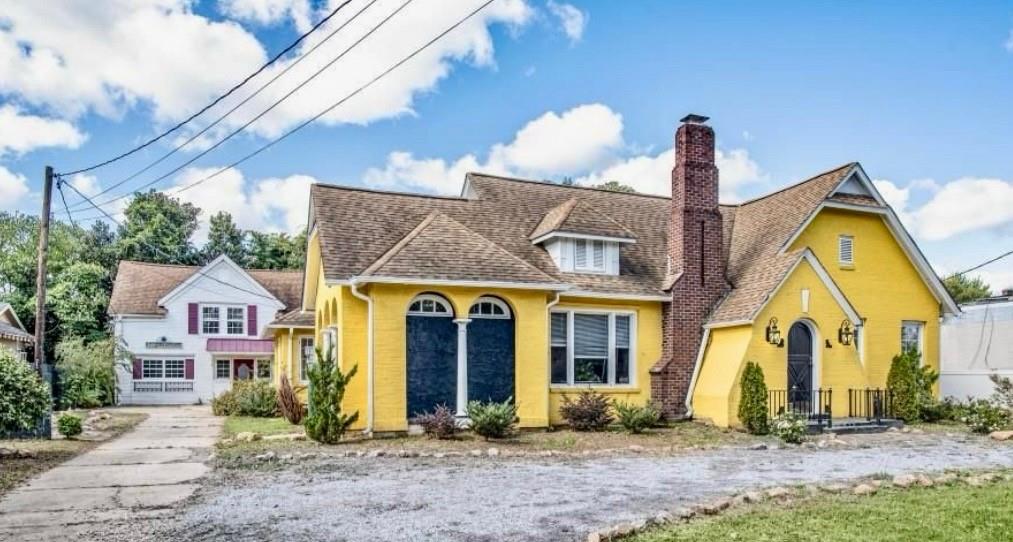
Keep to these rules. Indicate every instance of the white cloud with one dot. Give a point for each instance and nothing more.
(571, 20)
(268, 12)
(1009, 42)
(12, 187)
(86, 184)
(81, 56)
(584, 141)
(21, 133)
(997, 279)
(273, 204)
(961, 206)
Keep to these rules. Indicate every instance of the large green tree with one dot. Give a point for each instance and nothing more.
(79, 297)
(158, 228)
(616, 186)
(966, 290)
(276, 250)
(226, 238)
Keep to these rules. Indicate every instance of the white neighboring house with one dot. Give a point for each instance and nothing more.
(14, 338)
(975, 344)
(192, 331)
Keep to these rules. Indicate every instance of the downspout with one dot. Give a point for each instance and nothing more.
(548, 394)
(696, 372)
(354, 288)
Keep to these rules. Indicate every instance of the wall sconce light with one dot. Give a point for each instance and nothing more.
(845, 334)
(774, 334)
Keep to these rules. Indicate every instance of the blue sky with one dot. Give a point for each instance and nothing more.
(918, 92)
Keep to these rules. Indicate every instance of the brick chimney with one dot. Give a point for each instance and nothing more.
(696, 256)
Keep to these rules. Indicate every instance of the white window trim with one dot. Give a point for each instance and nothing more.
(161, 363)
(256, 368)
(495, 301)
(304, 374)
(611, 366)
(229, 363)
(223, 319)
(589, 256)
(436, 299)
(921, 336)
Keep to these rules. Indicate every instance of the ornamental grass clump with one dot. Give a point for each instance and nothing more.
(589, 412)
(326, 423)
(753, 402)
(69, 425)
(636, 418)
(790, 427)
(288, 402)
(440, 424)
(493, 420)
(24, 397)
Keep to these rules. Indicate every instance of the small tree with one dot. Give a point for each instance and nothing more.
(326, 423)
(24, 397)
(589, 412)
(88, 371)
(288, 402)
(753, 400)
(911, 385)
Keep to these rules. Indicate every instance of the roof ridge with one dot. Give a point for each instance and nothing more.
(797, 184)
(511, 254)
(403, 242)
(603, 214)
(556, 185)
(386, 192)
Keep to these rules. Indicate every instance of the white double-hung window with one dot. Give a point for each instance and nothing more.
(592, 348)
(911, 335)
(223, 319)
(589, 255)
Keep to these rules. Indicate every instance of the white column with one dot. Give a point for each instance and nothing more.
(462, 366)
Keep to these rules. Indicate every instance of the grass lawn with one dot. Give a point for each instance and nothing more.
(946, 513)
(50, 453)
(678, 436)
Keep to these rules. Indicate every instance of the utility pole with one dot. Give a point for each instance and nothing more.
(40, 277)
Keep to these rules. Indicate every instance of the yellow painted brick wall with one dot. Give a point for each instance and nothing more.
(722, 363)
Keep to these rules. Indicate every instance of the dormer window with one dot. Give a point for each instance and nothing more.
(589, 256)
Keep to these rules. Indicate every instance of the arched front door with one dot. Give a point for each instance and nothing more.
(490, 351)
(800, 367)
(432, 354)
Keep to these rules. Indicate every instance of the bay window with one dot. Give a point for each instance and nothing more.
(591, 348)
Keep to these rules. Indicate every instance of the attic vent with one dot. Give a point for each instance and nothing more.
(846, 249)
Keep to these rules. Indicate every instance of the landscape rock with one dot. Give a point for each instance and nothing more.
(248, 436)
(759, 446)
(834, 488)
(905, 480)
(684, 513)
(266, 456)
(778, 492)
(716, 507)
(1001, 436)
(492, 452)
(947, 478)
(924, 481)
(636, 448)
(285, 437)
(752, 497)
(594, 537)
(864, 489)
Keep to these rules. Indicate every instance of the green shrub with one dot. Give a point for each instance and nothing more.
(636, 418)
(790, 427)
(69, 425)
(911, 385)
(983, 416)
(753, 400)
(255, 398)
(590, 412)
(493, 420)
(441, 423)
(87, 372)
(325, 422)
(1003, 395)
(24, 397)
(947, 410)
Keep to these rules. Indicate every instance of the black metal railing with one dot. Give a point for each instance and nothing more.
(812, 404)
(870, 403)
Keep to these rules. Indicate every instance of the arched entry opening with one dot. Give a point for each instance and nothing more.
(800, 367)
(490, 350)
(432, 354)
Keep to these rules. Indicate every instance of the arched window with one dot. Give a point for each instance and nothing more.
(489, 307)
(429, 305)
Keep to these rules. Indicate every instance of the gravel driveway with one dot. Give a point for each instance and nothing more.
(511, 499)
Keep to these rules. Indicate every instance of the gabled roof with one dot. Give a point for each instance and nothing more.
(442, 249)
(294, 318)
(11, 327)
(577, 216)
(140, 285)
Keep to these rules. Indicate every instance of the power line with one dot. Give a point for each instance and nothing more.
(330, 108)
(222, 117)
(216, 100)
(979, 266)
(166, 254)
(260, 115)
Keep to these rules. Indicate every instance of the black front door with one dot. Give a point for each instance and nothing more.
(432, 363)
(490, 359)
(800, 367)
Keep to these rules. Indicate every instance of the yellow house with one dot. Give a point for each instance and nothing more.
(531, 290)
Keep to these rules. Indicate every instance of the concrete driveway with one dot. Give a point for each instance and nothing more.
(141, 474)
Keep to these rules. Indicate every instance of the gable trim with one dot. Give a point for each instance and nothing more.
(553, 286)
(569, 235)
(630, 297)
(17, 320)
(859, 174)
(201, 273)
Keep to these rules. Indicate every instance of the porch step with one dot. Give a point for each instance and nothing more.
(845, 426)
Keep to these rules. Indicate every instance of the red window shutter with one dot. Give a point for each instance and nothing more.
(192, 319)
(188, 369)
(251, 320)
(138, 371)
